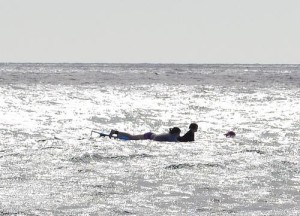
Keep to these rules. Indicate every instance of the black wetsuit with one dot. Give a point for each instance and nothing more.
(189, 136)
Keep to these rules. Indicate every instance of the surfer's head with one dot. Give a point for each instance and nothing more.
(230, 134)
(175, 130)
(193, 127)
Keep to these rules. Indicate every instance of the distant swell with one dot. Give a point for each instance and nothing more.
(188, 165)
(97, 157)
(255, 151)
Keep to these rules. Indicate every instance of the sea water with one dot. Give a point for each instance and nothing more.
(51, 164)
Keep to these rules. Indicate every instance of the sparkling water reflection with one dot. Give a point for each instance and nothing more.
(51, 166)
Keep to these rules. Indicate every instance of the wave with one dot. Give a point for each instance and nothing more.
(191, 165)
(255, 151)
(97, 157)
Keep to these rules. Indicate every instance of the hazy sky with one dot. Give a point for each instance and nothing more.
(151, 31)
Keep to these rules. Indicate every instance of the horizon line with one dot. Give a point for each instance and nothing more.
(149, 63)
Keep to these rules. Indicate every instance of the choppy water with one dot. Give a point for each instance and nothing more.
(49, 164)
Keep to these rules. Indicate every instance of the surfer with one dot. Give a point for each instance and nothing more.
(171, 136)
(190, 135)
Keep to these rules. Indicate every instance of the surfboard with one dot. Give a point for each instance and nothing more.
(101, 134)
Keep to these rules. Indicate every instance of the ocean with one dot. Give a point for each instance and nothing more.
(51, 164)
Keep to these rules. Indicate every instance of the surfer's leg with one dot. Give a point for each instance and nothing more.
(123, 134)
(138, 137)
(127, 135)
(112, 132)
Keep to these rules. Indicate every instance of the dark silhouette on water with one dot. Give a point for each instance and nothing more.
(190, 135)
(230, 134)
